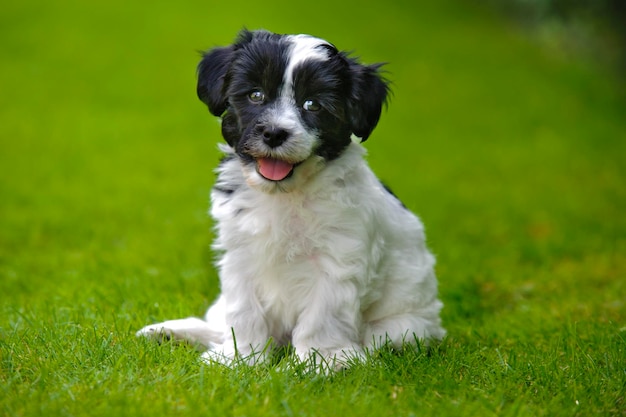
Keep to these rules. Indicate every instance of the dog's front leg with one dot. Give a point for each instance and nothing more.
(248, 338)
(192, 330)
(329, 326)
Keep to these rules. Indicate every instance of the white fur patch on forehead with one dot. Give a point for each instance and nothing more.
(303, 48)
(307, 47)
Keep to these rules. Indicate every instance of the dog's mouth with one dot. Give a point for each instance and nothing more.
(273, 169)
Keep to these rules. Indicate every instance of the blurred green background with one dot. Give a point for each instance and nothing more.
(512, 154)
(509, 152)
(506, 137)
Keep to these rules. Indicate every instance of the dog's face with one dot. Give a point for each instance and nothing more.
(289, 104)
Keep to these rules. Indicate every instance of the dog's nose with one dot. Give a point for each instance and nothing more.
(274, 137)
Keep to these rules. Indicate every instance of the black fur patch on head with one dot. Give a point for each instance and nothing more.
(350, 95)
(259, 66)
(368, 94)
(260, 63)
(226, 76)
(328, 83)
(211, 72)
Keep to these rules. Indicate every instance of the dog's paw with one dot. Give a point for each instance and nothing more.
(217, 355)
(157, 332)
(225, 354)
(192, 330)
(331, 360)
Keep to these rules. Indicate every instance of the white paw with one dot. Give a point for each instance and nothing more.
(217, 355)
(192, 330)
(331, 360)
(156, 332)
(225, 354)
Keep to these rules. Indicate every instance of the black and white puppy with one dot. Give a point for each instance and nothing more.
(314, 252)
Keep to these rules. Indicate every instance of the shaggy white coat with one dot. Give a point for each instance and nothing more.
(326, 260)
(335, 265)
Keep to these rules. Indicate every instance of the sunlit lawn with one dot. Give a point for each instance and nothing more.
(513, 156)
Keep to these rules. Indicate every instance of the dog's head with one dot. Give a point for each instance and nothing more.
(288, 103)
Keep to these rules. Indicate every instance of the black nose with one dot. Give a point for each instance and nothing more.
(274, 137)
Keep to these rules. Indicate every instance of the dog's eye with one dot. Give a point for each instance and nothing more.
(311, 105)
(257, 96)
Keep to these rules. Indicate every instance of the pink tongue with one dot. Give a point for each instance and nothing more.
(274, 169)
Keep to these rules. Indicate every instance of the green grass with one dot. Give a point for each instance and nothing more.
(514, 159)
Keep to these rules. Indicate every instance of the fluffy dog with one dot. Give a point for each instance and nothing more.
(315, 252)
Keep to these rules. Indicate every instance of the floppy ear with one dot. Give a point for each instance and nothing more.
(211, 73)
(369, 93)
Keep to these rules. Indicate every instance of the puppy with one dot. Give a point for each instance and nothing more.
(314, 252)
